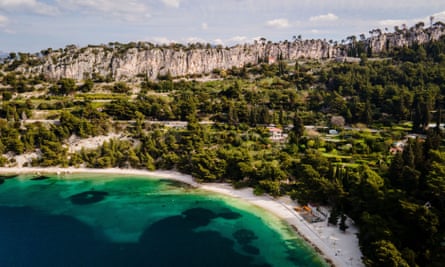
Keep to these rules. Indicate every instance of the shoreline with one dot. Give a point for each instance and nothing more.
(171, 175)
(339, 250)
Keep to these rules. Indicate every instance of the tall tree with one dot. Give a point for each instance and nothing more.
(297, 130)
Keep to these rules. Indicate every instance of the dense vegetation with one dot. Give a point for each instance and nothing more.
(397, 199)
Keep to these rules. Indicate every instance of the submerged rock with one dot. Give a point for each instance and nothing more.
(4, 177)
(229, 215)
(40, 178)
(88, 197)
(244, 236)
(199, 216)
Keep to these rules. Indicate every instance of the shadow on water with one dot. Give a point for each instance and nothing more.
(32, 238)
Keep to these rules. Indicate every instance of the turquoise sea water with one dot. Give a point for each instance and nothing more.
(103, 220)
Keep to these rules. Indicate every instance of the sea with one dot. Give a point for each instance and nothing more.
(116, 220)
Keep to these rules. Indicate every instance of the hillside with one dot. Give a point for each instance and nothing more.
(125, 61)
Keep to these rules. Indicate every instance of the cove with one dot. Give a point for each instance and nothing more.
(103, 220)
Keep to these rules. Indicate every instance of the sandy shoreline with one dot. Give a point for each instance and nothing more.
(339, 248)
(171, 175)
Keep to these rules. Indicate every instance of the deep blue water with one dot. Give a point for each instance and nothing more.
(94, 220)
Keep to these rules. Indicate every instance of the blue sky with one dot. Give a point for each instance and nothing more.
(33, 25)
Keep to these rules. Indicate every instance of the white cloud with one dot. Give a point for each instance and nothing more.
(232, 40)
(161, 40)
(32, 6)
(131, 10)
(204, 26)
(3, 21)
(238, 39)
(4, 25)
(172, 3)
(324, 18)
(218, 41)
(194, 40)
(389, 23)
(440, 16)
(278, 23)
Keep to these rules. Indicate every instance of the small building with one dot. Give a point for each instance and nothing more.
(397, 147)
(333, 132)
(276, 134)
(175, 124)
(395, 150)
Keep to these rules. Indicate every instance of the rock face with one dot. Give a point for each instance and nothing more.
(384, 42)
(122, 63)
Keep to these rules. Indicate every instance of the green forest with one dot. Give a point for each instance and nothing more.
(364, 138)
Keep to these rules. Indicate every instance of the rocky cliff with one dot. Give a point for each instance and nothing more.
(383, 42)
(127, 61)
(120, 62)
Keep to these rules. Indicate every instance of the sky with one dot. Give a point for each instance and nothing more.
(34, 25)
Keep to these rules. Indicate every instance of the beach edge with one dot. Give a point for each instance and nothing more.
(272, 205)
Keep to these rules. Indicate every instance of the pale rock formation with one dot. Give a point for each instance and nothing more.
(123, 62)
(152, 61)
(384, 42)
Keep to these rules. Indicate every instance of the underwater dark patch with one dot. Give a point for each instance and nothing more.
(199, 216)
(40, 178)
(251, 249)
(88, 197)
(32, 238)
(175, 243)
(4, 177)
(229, 215)
(244, 236)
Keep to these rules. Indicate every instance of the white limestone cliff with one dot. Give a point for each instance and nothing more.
(146, 59)
(384, 42)
(126, 61)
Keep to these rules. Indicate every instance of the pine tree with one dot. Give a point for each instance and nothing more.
(342, 224)
(333, 216)
(417, 116)
(395, 170)
(297, 130)
(408, 154)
